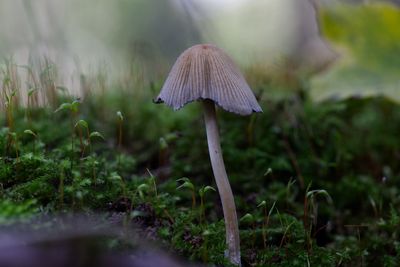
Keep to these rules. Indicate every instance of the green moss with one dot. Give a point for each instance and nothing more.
(348, 148)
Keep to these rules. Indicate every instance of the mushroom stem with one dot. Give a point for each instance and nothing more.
(221, 178)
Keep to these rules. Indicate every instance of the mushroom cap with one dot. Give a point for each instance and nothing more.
(204, 71)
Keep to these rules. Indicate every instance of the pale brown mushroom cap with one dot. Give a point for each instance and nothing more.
(205, 72)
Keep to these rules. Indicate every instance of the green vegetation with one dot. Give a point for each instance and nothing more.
(316, 184)
(368, 42)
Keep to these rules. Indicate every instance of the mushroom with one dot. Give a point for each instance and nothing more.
(204, 72)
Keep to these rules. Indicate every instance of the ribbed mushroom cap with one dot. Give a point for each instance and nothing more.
(205, 72)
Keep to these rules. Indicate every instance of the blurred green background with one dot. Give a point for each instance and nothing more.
(279, 38)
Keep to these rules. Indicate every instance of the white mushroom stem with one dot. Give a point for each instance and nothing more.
(221, 178)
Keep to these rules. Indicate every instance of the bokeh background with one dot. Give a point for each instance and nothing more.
(278, 37)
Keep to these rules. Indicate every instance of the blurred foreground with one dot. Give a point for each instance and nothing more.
(77, 241)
